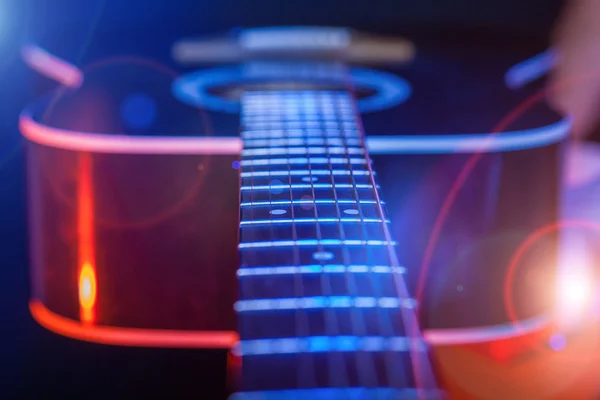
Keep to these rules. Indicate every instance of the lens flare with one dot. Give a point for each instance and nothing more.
(574, 287)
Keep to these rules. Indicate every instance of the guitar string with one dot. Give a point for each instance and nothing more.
(422, 370)
(384, 321)
(301, 316)
(303, 377)
(331, 322)
(364, 360)
(245, 291)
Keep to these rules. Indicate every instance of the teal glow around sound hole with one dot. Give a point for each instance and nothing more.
(196, 88)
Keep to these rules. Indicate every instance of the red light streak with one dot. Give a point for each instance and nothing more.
(118, 336)
(87, 283)
(125, 144)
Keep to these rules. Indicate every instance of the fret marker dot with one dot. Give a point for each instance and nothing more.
(351, 211)
(322, 256)
(277, 212)
(310, 179)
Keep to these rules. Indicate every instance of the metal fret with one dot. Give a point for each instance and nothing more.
(252, 143)
(319, 344)
(306, 186)
(303, 161)
(303, 172)
(300, 133)
(312, 221)
(315, 242)
(293, 303)
(301, 150)
(319, 269)
(307, 201)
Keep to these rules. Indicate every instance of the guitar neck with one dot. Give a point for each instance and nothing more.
(323, 309)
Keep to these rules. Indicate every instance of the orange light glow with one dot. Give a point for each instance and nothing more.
(118, 336)
(87, 292)
(87, 283)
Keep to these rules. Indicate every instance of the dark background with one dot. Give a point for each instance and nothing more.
(36, 363)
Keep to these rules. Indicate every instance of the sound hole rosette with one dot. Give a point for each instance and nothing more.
(196, 88)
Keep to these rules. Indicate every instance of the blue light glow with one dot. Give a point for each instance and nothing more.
(194, 88)
(332, 268)
(346, 343)
(310, 242)
(530, 70)
(138, 111)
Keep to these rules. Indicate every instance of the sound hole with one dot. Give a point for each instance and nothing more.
(234, 92)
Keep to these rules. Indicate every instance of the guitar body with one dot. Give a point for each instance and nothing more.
(135, 236)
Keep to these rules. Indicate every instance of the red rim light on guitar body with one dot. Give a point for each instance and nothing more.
(118, 336)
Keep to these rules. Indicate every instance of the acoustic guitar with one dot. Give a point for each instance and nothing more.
(322, 307)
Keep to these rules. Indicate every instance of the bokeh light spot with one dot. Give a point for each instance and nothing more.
(557, 342)
(235, 164)
(138, 111)
(276, 186)
(305, 205)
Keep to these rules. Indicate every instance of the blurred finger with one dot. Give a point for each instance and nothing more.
(575, 82)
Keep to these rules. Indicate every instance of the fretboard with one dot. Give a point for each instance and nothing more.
(323, 309)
